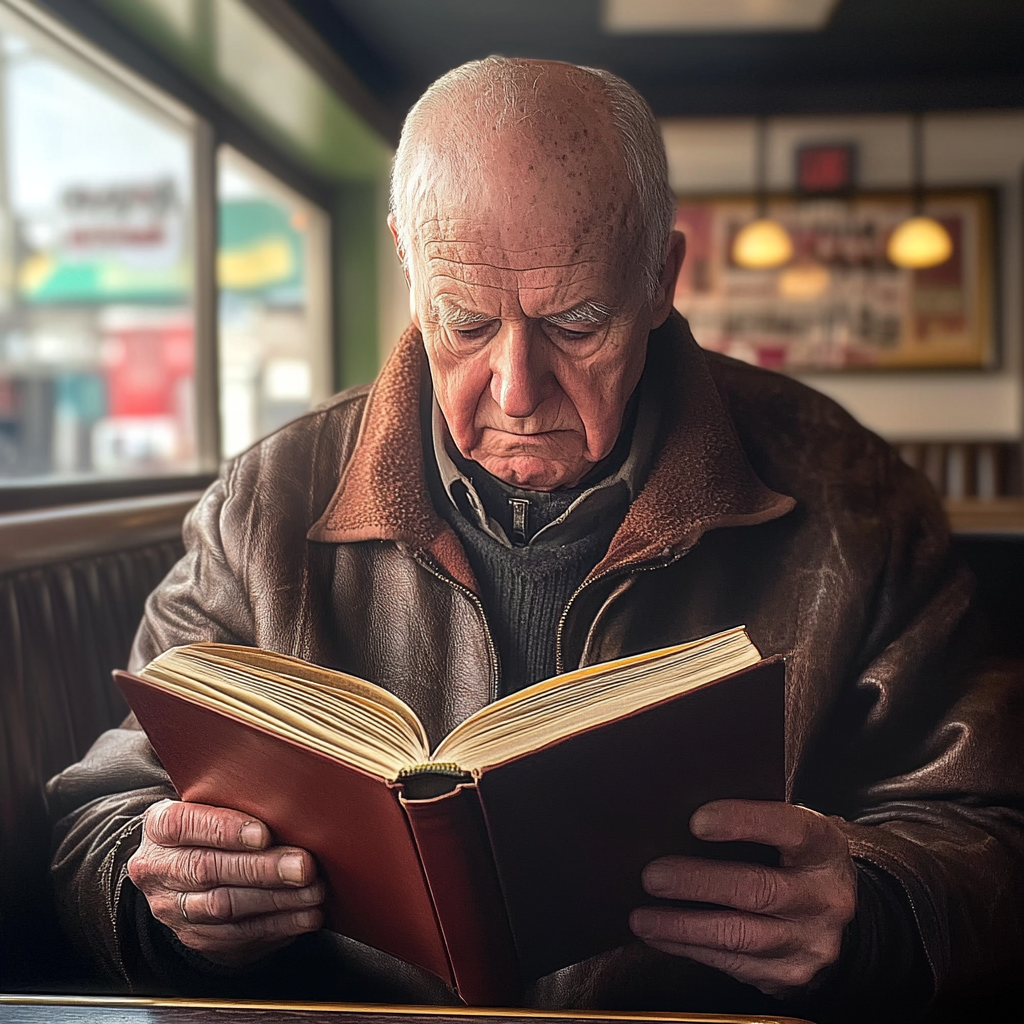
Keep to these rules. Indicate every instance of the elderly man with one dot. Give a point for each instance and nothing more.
(549, 472)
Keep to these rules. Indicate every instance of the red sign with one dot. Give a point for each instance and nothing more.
(145, 365)
(825, 170)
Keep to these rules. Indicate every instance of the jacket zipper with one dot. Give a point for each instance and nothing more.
(630, 570)
(128, 833)
(492, 650)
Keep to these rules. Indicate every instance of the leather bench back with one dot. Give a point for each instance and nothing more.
(73, 583)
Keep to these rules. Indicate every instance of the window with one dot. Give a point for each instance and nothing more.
(97, 262)
(131, 277)
(272, 266)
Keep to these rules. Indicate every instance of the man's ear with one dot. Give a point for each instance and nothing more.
(393, 228)
(666, 293)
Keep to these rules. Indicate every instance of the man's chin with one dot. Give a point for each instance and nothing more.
(532, 473)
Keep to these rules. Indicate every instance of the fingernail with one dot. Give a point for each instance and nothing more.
(307, 919)
(702, 822)
(291, 868)
(657, 878)
(251, 835)
(310, 895)
(640, 924)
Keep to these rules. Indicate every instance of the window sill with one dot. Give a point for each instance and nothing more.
(17, 496)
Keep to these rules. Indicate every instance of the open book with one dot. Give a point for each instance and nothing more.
(515, 846)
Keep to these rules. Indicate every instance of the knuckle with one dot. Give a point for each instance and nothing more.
(284, 899)
(734, 934)
(808, 829)
(213, 823)
(826, 947)
(199, 867)
(840, 838)
(848, 908)
(220, 904)
(194, 822)
(764, 890)
(160, 824)
(138, 868)
(318, 893)
(797, 973)
(147, 870)
(179, 823)
(253, 869)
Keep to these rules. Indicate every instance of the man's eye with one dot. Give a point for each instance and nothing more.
(572, 335)
(578, 341)
(472, 335)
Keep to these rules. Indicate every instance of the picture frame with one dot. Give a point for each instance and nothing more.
(839, 304)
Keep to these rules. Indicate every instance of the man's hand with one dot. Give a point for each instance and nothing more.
(785, 924)
(210, 874)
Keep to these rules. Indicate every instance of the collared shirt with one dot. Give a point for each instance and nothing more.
(612, 494)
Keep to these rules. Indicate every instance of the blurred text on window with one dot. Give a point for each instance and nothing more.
(97, 348)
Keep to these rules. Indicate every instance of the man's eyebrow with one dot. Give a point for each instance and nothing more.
(448, 314)
(586, 312)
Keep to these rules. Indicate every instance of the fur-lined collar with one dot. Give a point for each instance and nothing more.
(700, 479)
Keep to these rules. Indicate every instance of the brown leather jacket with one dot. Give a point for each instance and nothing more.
(766, 505)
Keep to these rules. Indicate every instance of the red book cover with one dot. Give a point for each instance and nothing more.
(527, 867)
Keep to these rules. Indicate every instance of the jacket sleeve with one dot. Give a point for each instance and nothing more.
(97, 804)
(920, 752)
(205, 596)
(934, 778)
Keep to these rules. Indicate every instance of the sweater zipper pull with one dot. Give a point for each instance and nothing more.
(520, 512)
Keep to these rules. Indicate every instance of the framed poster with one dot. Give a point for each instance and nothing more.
(839, 303)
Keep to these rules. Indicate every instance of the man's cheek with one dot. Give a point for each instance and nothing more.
(599, 400)
(462, 388)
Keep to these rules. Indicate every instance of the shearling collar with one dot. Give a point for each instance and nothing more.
(700, 479)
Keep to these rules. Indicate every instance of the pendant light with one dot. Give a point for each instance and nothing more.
(764, 243)
(920, 241)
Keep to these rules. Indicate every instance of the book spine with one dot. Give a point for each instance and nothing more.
(455, 851)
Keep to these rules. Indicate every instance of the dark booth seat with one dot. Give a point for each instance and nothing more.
(72, 586)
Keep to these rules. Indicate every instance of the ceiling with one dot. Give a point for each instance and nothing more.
(873, 55)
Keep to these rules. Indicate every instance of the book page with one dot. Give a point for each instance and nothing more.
(295, 668)
(339, 715)
(556, 708)
(368, 727)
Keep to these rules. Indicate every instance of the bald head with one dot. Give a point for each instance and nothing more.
(539, 135)
(537, 266)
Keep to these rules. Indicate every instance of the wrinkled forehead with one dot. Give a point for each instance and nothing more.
(554, 175)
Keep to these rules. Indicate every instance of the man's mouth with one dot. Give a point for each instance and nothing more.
(512, 438)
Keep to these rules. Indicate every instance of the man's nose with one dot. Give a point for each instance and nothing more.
(519, 371)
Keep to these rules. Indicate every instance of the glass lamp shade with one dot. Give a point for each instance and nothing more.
(762, 244)
(919, 242)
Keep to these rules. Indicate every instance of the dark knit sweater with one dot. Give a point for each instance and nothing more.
(525, 588)
(524, 591)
